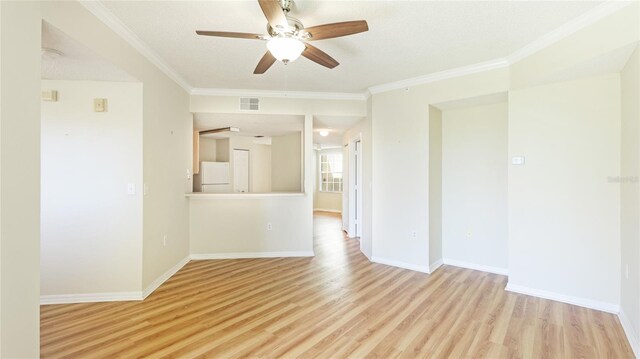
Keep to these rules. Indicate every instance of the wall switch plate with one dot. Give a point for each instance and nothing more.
(188, 174)
(131, 189)
(164, 240)
(469, 234)
(414, 234)
(50, 95)
(145, 189)
(100, 105)
(517, 160)
(269, 226)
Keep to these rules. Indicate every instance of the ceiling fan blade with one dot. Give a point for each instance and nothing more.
(265, 62)
(318, 56)
(274, 13)
(329, 31)
(237, 35)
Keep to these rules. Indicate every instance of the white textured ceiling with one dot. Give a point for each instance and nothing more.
(335, 125)
(406, 39)
(76, 62)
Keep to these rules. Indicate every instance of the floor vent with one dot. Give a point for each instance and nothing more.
(249, 103)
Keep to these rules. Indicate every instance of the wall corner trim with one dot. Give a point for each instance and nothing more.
(474, 266)
(327, 210)
(245, 255)
(399, 264)
(89, 297)
(632, 336)
(308, 95)
(581, 302)
(164, 277)
(435, 265)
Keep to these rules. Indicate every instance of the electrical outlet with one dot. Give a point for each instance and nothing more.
(269, 226)
(414, 234)
(164, 240)
(469, 234)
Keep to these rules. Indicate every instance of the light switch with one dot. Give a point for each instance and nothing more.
(517, 160)
(100, 105)
(131, 189)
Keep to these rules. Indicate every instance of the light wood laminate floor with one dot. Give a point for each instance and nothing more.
(335, 305)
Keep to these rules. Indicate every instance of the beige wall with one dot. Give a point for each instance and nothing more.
(563, 213)
(207, 149)
(630, 196)
(91, 229)
(218, 225)
(261, 168)
(286, 163)
(474, 185)
(167, 137)
(435, 185)
(20, 179)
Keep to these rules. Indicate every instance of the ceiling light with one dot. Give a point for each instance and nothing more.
(285, 49)
(324, 133)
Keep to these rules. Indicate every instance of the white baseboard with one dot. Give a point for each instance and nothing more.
(480, 267)
(243, 255)
(435, 265)
(163, 278)
(327, 210)
(394, 263)
(89, 297)
(632, 336)
(581, 302)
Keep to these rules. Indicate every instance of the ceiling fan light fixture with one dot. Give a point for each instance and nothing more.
(285, 49)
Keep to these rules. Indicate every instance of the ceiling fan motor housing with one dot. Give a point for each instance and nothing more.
(295, 26)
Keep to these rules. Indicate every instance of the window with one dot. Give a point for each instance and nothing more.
(331, 172)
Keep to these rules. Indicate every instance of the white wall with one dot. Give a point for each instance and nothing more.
(630, 198)
(261, 168)
(20, 45)
(328, 201)
(474, 185)
(235, 225)
(167, 137)
(564, 218)
(91, 229)
(435, 186)
(239, 225)
(286, 163)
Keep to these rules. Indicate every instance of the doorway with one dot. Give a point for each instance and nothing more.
(355, 189)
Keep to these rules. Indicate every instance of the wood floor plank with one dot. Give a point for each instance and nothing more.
(334, 305)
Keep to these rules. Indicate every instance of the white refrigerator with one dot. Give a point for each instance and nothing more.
(215, 177)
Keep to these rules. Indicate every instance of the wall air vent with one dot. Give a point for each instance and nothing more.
(249, 103)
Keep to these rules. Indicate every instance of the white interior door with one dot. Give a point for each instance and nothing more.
(240, 171)
(357, 189)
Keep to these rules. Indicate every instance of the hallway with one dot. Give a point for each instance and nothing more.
(337, 304)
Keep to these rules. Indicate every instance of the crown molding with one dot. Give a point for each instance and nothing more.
(280, 94)
(599, 12)
(442, 75)
(590, 17)
(103, 14)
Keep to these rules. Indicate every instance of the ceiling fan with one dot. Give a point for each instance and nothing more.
(287, 38)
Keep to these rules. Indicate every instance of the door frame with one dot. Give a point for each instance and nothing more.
(355, 173)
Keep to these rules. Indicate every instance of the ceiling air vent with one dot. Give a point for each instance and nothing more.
(249, 103)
